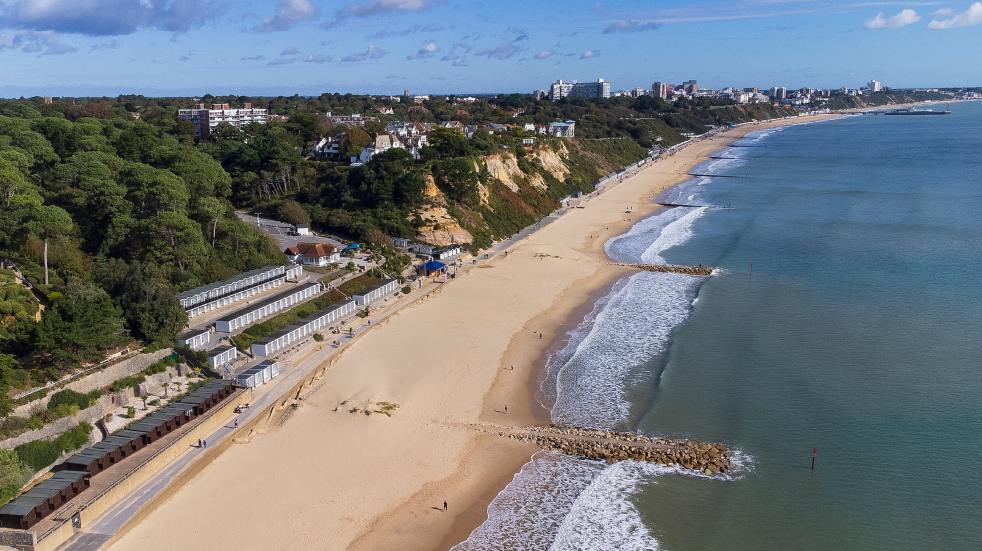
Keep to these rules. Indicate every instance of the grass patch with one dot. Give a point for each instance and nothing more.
(245, 339)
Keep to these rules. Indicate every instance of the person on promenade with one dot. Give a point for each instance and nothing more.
(506, 409)
(444, 505)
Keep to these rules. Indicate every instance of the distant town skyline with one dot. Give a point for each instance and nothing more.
(283, 47)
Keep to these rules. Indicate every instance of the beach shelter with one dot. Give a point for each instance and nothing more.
(433, 267)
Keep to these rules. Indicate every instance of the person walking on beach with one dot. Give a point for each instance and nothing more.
(444, 505)
(506, 409)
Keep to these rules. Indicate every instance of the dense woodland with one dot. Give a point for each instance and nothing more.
(131, 208)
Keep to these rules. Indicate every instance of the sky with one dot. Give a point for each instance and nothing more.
(284, 47)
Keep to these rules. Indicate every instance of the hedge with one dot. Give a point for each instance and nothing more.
(41, 453)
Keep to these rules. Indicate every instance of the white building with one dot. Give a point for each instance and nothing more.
(205, 120)
(375, 292)
(875, 86)
(282, 339)
(222, 293)
(222, 356)
(195, 339)
(258, 375)
(314, 254)
(383, 142)
(565, 129)
(449, 251)
(595, 90)
(268, 307)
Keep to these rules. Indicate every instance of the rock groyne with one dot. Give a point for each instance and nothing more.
(610, 446)
(672, 269)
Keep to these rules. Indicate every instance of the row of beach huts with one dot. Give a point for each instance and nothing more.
(223, 293)
(73, 475)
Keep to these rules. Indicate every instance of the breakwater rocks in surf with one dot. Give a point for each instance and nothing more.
(611, 446)
(672, 269)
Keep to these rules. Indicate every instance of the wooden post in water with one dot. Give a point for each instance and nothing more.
(814, 455)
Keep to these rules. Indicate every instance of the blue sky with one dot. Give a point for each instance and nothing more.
(191, 47)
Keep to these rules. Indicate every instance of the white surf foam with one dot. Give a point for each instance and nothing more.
(562, 503)
(629, 327)
(672, 235)
(631, 246)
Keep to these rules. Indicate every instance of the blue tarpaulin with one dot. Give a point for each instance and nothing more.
(432, 266)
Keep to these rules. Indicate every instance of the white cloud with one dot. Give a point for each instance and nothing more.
(587, 54)
(374, 7)
(971, 16)
(35, 42)
(543, 55)
(902, 19)
(630, 26)
(373, 52)
(288, 14)
(107, 17)
(427, 50)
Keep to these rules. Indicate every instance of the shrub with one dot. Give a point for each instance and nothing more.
(130, 412)
(126, 382)
(318, 337)
(70, 399)
(41, 453)
(160, 366)
(407, 289)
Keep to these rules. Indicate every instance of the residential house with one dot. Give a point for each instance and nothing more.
(565, 129)
(383, 142)
(314, 254)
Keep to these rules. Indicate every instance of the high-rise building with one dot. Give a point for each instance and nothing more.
(875, 86)
(595, 90)
(205, 120)
(779, 93)
(691, 87)
(661, 90)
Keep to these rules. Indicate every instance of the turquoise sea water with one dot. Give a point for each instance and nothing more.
(847, 317)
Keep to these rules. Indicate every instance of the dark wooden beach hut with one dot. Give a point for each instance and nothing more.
(133, 439)
(87, 460)
(43, 499)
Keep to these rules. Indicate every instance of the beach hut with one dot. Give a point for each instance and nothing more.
(131, 439)
(433, 267)
(85, 461)
(43, 499)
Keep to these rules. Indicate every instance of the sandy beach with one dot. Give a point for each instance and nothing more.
(331, 479)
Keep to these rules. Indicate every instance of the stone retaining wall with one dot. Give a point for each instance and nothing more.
(99, 379)
(100, 409)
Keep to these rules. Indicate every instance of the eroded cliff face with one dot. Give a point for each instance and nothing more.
(512, 192)
(439, 228)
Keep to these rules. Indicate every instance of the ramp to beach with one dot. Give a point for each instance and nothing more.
(610, 446)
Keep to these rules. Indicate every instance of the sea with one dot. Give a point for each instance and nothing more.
(844, 318)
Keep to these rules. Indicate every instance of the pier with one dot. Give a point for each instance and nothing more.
(671, 269)
(610, 446)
